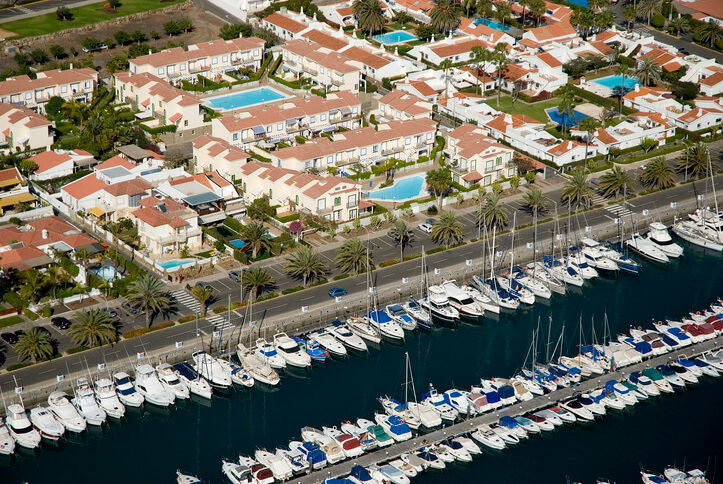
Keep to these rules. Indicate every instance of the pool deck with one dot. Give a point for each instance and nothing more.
(390, 204)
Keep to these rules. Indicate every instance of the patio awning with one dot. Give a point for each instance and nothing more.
(98, 212)
(8, 182)
(290, 122)
(365, 204)
(328, 129)
(212, 217)
(19, 198)
(345, 110)
(258, 130)
(333, 111)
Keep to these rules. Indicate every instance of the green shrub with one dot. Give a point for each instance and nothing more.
(77, 349)
(186, 319)
(13, 299)
(30, 314)
(436, 249)
(341, 276)
(134, 333)
(233, 224)
(69, 267)
(657, 21)
(47, 311)
(389, 262)
(171, 128)
(18, 366)
(240, 256)
(292, 290)
(432, 210)
(268, 296)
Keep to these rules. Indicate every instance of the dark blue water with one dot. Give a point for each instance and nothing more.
(149, 448)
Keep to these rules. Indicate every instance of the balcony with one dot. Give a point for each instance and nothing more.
(458, 169)
(421, 144)
(338, 82)
(391, 151)
(353, 204)
(324, 211)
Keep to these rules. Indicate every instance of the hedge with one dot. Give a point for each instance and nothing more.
(233, 224)
(436, 249)
(170, 128)
(292, 290)
(223, 309)
(13, 299)
(389, 262)
(288, 218)
(186, 319)
(141, 331)
(78, 349)
(268, 296)
(18, 366)
(30, 314)
(341, 276)
(69, 267)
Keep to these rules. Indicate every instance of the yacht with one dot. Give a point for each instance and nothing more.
(576, 408)
(211, 370)
(415, 462)
(148, 385)
(487, 303)
(262, 474)
(461, 301)
(675, 380)
(86, 404)
(359, 475)
(456, 449)
(402, 410)
(258, 367)
(171, 382)
(20, 428)
(107, 398)
(485, 436)
(579, 263)
(239, 374)
(420, 314)
(7, 443)
(296, 460)
(621, 391)
(329, 343)
(557, 415)
(567, 274)
(237, 473)
(331, 448)
(182, 478)
(360, 327)
(400, 316)
(388, 473)
(278, 465)
(395, 426)
(438, 305)
(458, 400)
(405, 467)
(267, 351)
(469, 445)
(430, 459)
(126, 391)
(386, 326)
(599, 257)
(45, 423)
(365, 438)
(657, 378)
(505, 434)
(440, 404)
(65, 413)
(644, 384)
(658, 236)
(538, 288)
(348, 443)
(291, 352)
(341, 332)
(543, 423)
(647, 249)
(311, 452)
(196, 384)
(700, 235)
(382, 438)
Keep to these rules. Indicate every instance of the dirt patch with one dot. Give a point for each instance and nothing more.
(6, 34)
(82, 304)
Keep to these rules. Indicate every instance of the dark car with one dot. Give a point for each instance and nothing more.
(42, 329)
(60, 322)
(9, 338)
(132, 307)
(235, 276)
(111, 312)
(337, 291)
(394, 236)
(200, 284)
(431, 221)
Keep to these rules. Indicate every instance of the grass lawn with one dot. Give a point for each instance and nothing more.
(89, 14)
(536, 110)
(10, 320)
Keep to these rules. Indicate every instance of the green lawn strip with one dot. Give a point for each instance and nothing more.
(10, 321)
(536, 110)
(82, 16)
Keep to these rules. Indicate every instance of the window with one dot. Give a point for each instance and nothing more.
(297, 199)
(214, 61)
(363, 151)
(279, 126)
(234, 136)
(429, 135)
(307, 165)
(256, 52)
(473, 165)
(352, 213)
(407, 141)
(511, 172)
(28, 95)
(329, 160)
(354, 110)
(182, 67)
(134, 200)
(321, 70)
(323, 117)
(321, 203)
(224, 58)
(63, 89)
(161, 70)
(87, 84)
(271, 193)
(269, 129)
(185, 122)
(312, 120)
(399, 115)
(337, 200)
(499, 160)
(278, 163)
(375, 149)
(171, 70)
(233, 178)
(352, 200)
(488, 179)
(489, 166)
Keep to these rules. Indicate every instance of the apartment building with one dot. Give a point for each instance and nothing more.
(22, 128)
(326, 68)
(400, 105)
(71, 84)
(211, 153)
(166, 226)
(475, 158)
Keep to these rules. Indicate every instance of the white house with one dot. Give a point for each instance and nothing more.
(71, 84)
(52, 164)
(166, 226)
(630, 132)
(327, 68)
(399, 105)
(476, 158)
(712, 85)
(215, 154)
(22, 128)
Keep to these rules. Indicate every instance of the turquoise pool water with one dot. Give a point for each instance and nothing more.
(582, 3)
(170, 264)
(107, 273)
(403, 189)
(611, 82)
(395, 37)
(492, 24)
(244, 99)
(237, 243)
(569, 121)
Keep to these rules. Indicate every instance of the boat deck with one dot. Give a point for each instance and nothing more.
(521, 408)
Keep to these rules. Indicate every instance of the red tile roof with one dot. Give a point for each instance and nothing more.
(83, 187)
(47, 160)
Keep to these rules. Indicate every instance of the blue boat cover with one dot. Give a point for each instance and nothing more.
(379, 317)
(665, 370)
(427, 456)
(492, 397)
(396, 307)
(669, 341)
(585, 400)
(657, 480)
(508, 422)
(506, 391)
(314, 454)
(610, 385)
(336, 323)
(185, 370)
(337, 480)
(643, 347)
(360, 473)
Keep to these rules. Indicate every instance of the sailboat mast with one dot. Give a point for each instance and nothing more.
(492, 256)
(512, 246)
(715, 198)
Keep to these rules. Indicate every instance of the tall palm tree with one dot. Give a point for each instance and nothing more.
(535, 200)
(695, 160)
(33, 281)
(630, 13)
(566, 108)
(402, 236)
(538, 8)
(491, 212)
(503, 12)
(499, 58)
(447, 229)
(444, 15)
(257, 279)
(439, 181)
(616, 181)
(524, 4)
(352, 256)
(589, 125)
(446, 65)
(203, 294)
(254, 234)
(52, 275)
(577, 190)
(92, 327)
(679, 24)
(305, 263)
(479, 57)
(647, 8)
(648, 71)
(369, 15)
(34, 344)
(623, 71)
(150, 295)
(658, 173)
(711, 32)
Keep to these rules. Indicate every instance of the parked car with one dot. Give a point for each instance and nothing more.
(9, 338)
(95, 49)
(426, 228)
(60, 322)
(430, 221)
(393, 235)
(235, 276)
(200, 284)
(132, 307)
(337, 291)
(111, 312)
(42, 329)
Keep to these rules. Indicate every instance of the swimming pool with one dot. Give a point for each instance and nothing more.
(573, 120)
(107, 273)
(582, 3)
(492, 24)
(403, 189)
(237, 243)
(244, 99)
(170, 264)
(395, 37)
(611, 82)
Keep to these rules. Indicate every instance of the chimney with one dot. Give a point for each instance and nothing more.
(637, 87)
(240, 35)
(45, 234)
(569, 145)
(71, 66)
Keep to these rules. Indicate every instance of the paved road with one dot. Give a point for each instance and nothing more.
(39, 8)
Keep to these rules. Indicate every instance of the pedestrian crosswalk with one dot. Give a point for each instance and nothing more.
(619, 210)
(218, 320)
(598, 200)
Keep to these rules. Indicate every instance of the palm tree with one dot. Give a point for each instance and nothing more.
(538, 8)
(566, 108)
(34, 343)
(439, 181)
(679, 24)
(658, 173)
(630, 13)
(203, 294)
(484, 8)
(589, 125)
(491, 212)
(33, 281)
(52, 275)
(446, 65)
(535, 200)
(499, 58)
(711, 32)
(648, 8)
(524, 4)
(257, 279)
(447, 229)
(479, 56)
(695, 160)
(254, 235)
(503, 12)
(616, 181)
(369, 15)
(305, 263)
(92, 327)
(75, 110)
(352, 256)
(444, 15)
(648, 71)
(387, 166)
(624, 71)
(577, 190)
(402, 236)
(150, 295)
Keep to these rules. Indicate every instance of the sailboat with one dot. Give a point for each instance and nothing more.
(508, 282)
(413, 308)
(259, 368)
(489, 288)
(704, 227)
(539, 270)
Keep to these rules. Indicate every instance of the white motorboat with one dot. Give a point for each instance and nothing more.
(267, 351)
(514, 287)
(148, 385)
(402, 410)
(505, 434)
(126, 391)
(622, 392)
(291, 352)
(65, 412)
(295, 459)
(712, 361)
(45, 423)
(7, 443)
(608, 398)
(592, 403)
(545, 424)
(461, 301)
(209, 368)
(388, 473)
(684, 372)
(565, 273)
(557, 415)
(530, 385)
(311, 452)
(579, 263)
(170, 381)
(329, 446)
(360, 327)
(658, 236)
(415, 310)
(456, 449)
(677, 334)
(578, 410)
(438, 305)
(262, 474)
(348, 443)
(196, 384)
(458, 399)
(399, 315)
(365, 438)
(237, 473)
(414, 461)
(700, 235)
(430, 459)
(597, 256)
(405, 467)
(501, 297)
(522, 392)
(438, 403)
(239, 375)
(542, 274)
(382, 438)
(428, 416)
(646, 249)
(487, 303)
(182, 478)
(528, 425)
(586, 366)
(395, 426)
(20, 428)
(258, 367)
(385, 325)
(648, 386)
(87, 405)
(538, 288)
(347, 337)
(107, 398)
(485, 436)
(329, 343)
(469, 445)
(278, 465)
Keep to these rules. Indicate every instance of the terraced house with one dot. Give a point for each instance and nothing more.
(71, 84)
(329, 69)
(477, 158)
(23, 128)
